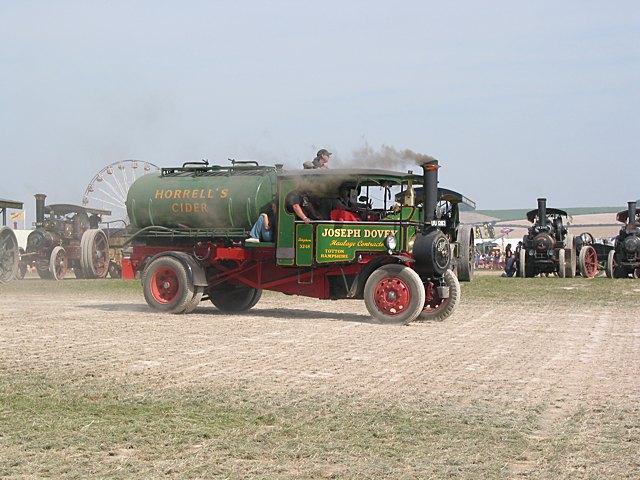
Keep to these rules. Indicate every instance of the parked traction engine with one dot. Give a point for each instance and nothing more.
(547, 247)
(68, 237)
(624, 259)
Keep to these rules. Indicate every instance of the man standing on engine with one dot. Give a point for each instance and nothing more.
(321, 160)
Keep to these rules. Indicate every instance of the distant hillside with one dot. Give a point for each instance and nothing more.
(520, 213)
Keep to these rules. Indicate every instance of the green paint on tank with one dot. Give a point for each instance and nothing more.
(220, 197)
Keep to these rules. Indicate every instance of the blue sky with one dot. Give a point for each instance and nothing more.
(516, 99)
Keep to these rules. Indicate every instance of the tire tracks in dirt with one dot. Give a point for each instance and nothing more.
(565, 394)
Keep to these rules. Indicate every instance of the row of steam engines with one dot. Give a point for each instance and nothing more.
(66, 237)
(547, 247)
(624, 259)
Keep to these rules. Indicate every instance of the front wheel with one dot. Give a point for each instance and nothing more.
(611, 269)
(235, 298)
(562, 264)
(522, 261)
(588, 261)
(167, 286)
(466, 263)
(58, 263)
(436, 308)
(394, 294)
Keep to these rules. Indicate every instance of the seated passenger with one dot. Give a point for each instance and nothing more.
(301, 204)
(345, 209)
(263, 229)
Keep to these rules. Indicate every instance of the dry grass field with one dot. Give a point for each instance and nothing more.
(535, 378)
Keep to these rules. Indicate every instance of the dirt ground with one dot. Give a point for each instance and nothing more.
(561, 371)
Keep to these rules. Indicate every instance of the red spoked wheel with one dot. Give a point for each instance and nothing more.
(588, 261)
(437, 308)
(394, 294)
(167, 286)
(58, 263)
(164, 285)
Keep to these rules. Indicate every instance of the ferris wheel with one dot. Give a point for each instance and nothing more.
(108, 188)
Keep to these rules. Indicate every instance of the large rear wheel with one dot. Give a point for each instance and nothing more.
(167, 286)
(235, 298)
(58, 263)
(466, 263)
(9, 255)
(94, 254)
(394, 294)
(588, 261)
(437, 308)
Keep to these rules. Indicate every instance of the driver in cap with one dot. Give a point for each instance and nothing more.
(321, 160)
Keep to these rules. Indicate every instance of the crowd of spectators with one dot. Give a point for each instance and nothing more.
(494, 260)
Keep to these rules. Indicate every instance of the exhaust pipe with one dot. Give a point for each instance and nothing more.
(632, 213)
(542, 212)
(431, 250)
(39, 208)
(430, 189)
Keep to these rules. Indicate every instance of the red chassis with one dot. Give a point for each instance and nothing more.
(254, 267)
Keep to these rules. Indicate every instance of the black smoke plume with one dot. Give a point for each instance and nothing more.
(385, 157)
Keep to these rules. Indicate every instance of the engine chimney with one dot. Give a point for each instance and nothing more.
(632, 213)
(430, 191)
(40, 197)
(542, 212)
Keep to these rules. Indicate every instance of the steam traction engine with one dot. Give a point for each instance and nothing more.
(193, 222)
(67, 236)
(461, 236)
(624, 259)
(547, 247)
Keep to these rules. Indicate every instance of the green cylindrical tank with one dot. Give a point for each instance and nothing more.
(206, 198)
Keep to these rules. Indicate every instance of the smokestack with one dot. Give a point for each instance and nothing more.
(430, 189)
(542, 212)
(632, 212)
(39, 208)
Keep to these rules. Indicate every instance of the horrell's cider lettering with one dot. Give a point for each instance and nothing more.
(180, 193)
